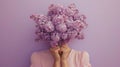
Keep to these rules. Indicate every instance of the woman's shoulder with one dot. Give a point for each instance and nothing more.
(82, 57)
(80, 51)
(38, 53)
(35, 56)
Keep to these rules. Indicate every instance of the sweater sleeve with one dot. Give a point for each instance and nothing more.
(85, 60)
(35, 62)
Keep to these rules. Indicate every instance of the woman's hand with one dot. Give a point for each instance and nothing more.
(60, 55)
(65, 51)
(55, 52)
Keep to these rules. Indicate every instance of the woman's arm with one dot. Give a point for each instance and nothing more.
(64, 63)
(60, 60)
(55, 53)
(65, 53)
(56, 63)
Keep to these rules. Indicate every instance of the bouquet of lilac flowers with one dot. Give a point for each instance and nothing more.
(61, 24)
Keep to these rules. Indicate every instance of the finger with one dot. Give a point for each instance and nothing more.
(64, 45)
(63, 49)
(51, 50)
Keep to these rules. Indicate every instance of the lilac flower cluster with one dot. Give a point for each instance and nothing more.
(61, 24)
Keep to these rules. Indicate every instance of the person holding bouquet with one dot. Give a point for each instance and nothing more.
(60, 26)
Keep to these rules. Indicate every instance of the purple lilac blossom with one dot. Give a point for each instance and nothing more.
(60, 24)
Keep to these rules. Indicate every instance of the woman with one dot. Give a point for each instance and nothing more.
(60, 24)
(60, 56)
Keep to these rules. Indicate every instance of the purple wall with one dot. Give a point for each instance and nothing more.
(102, 38)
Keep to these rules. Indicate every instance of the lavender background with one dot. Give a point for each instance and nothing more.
(102, 37)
